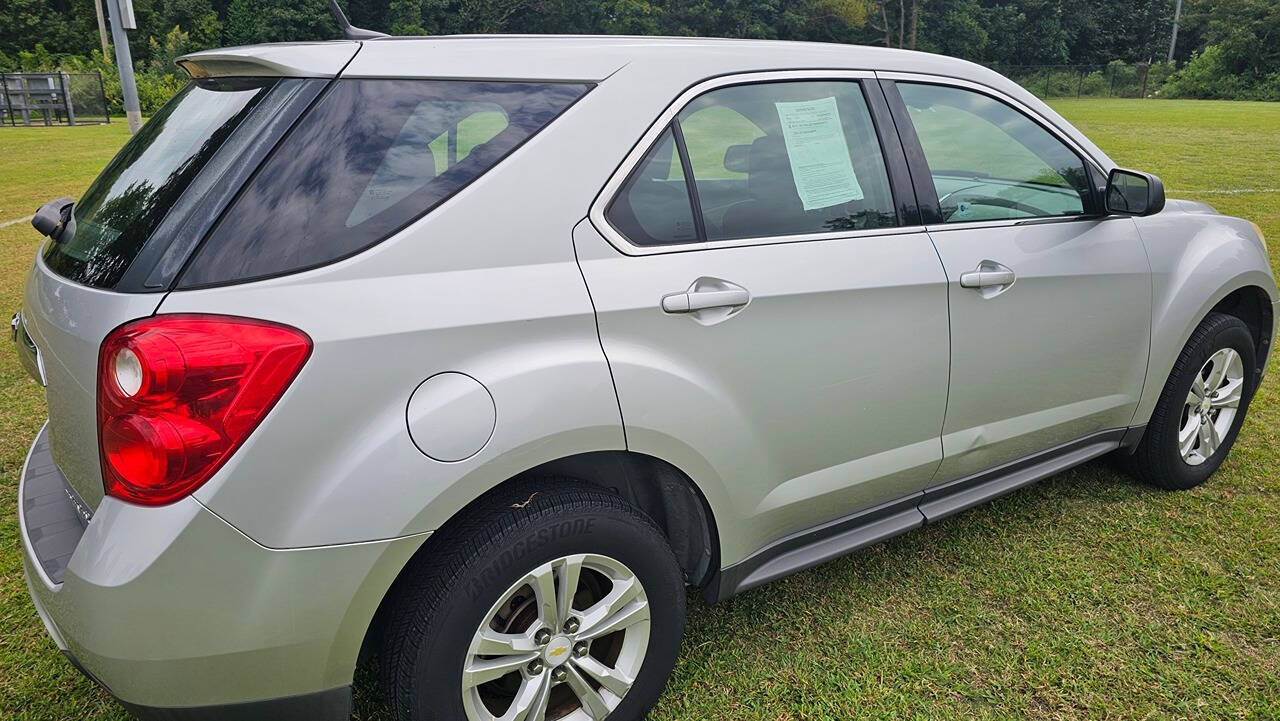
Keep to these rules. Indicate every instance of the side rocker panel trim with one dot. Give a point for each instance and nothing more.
(965, 493)
(843, 536)
(819, 545)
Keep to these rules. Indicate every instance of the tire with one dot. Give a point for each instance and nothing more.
(463, 580)
(1159, 458)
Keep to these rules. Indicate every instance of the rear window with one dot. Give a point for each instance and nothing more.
(118, 213)
(371, 157)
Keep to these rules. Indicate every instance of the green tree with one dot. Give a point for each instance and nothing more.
(1236, 40)
(266, 21)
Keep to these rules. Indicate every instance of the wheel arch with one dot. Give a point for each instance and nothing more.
(1245, 296)
(666, 493)
(1251, 304)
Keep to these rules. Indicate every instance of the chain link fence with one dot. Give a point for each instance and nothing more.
(54, 98)
(1114, 80)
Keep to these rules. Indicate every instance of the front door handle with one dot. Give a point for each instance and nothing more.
(692, 301)
(986, 278)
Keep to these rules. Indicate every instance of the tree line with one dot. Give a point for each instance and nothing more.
(1225, 48)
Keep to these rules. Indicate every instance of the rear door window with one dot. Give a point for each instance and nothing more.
(765, 160)
(120, 210)
(371, 157)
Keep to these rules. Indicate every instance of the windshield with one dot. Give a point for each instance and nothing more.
(118, 213)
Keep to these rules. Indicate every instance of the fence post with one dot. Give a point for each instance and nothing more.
(66, 98)
(8, 102)
(1146, 71)
(22, 90)
(1112, 72)
(1048, 73)
(102, 93)
(1080, 85)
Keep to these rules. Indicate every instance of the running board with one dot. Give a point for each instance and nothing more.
(950, 498)
(843, 536)
(818, 545)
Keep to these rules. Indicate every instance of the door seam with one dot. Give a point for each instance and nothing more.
(595, 317)
(946, 406)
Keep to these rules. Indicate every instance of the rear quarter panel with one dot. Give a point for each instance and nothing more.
(487, 285)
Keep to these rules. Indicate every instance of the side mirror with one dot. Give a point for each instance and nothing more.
(1130, 192)
(52, 217)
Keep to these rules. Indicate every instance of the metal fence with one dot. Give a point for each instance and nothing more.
(1116, 80)
(52, 99)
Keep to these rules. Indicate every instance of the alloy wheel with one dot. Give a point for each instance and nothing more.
(565, 642)
(1211, 406)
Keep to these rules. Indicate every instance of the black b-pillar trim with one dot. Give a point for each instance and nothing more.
(921, 177)
(904, 194)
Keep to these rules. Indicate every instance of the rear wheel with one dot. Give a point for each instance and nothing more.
(1201, 408)
(558, 601)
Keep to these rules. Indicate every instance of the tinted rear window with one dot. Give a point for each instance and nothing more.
(116, 215)
(368, 159)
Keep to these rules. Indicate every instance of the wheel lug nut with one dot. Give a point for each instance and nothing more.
(535, 667)
(558, 674)
(581, 649)
(572, 625)
(543, 637)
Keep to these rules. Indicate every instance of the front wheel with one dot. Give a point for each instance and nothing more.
(1201, 408)
(555, 601)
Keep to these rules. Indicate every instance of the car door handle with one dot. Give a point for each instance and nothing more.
(986, 278)
(695, 300)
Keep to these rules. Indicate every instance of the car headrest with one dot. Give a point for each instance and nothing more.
(769, 172)
(738, 158)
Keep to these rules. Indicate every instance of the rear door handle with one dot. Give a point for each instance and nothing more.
(695, 300)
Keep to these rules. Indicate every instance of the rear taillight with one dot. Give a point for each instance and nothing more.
(177, 394)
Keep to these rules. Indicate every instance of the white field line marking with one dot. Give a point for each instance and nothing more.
(15, 221)
(1226, 191)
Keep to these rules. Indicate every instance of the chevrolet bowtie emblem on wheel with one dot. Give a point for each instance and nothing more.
(557, 652)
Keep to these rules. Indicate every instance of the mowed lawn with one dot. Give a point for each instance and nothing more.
(1085, 596)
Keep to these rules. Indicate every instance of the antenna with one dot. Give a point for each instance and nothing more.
(350, 31)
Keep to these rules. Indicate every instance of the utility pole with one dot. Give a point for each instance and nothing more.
(1173, 41)
(121, 15)
(102, 28)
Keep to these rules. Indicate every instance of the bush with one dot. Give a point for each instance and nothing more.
(1208, 76)
(156, 83)
(1204, 76)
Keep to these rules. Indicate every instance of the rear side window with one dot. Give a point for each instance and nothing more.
(654, 206)
(764, 160)
(117, 214)
(368, 159)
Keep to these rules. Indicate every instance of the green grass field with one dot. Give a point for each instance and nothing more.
(1086, 596)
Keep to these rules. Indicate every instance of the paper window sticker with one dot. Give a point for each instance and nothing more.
(818, 153)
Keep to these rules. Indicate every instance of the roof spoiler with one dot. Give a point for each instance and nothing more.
(350, 31)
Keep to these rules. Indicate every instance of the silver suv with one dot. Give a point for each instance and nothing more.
(471, 355)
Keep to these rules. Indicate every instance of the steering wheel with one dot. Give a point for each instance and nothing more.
(998, 203)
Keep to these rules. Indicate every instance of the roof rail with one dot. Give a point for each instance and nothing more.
(350, 31)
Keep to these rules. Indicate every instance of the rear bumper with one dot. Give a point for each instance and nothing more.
(181, 616)
(332, 705)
